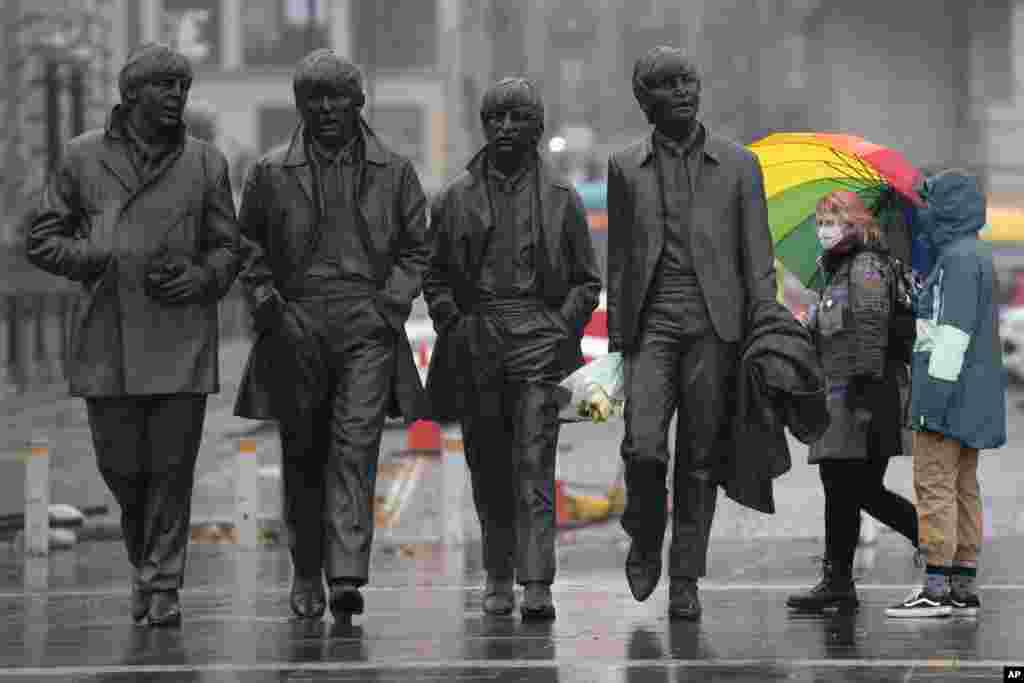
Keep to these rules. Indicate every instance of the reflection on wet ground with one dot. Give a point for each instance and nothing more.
(66, 619)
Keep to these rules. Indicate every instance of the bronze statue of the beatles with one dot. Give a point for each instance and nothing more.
(511, 285)
(689, 256)
(339, 241)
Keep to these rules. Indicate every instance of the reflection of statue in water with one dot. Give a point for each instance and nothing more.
(686, 641)
(839, 635)
(645, 645)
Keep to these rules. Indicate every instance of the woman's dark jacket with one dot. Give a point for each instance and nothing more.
(851, 332)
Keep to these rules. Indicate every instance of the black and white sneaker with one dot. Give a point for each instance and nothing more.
(964, 604)
(920, 604)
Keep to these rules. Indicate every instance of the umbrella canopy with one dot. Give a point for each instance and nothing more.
(801, 168)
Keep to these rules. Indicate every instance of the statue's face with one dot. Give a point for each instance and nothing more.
(329, 113)
(161, 100)
(674, 96)
(512, 130)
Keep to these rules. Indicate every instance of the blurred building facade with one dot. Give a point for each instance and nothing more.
(893, 72)
(57, 62)
(245, 52)
(939, 80)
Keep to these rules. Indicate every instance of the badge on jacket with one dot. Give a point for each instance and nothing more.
(872, 278)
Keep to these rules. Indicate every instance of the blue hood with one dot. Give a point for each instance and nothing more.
(956, 207)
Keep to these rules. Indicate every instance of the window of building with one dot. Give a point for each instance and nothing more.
(281, 32)
(193, 28)
(395, 34)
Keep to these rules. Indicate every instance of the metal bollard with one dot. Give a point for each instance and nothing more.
(36, 573)
(454, 476)
(247, 492)
(37, 497)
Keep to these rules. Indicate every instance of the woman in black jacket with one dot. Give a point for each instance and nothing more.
(850, 325)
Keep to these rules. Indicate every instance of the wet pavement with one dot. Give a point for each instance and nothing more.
(65, 618)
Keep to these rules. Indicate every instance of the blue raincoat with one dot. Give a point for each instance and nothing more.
(958, 380)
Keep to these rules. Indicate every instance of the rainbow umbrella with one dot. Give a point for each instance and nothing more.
(801, 168)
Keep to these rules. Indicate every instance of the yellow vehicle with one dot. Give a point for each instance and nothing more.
(1005, 226)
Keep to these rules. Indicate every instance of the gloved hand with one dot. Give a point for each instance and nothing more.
(176, 280)
(864, 396)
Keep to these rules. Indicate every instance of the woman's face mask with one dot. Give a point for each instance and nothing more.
(830, 231)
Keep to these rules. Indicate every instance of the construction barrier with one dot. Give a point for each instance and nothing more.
(247, 493)
(37, 497)
(43, 526)
(454, 480)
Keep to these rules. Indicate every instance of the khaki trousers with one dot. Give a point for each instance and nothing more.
(948, 499)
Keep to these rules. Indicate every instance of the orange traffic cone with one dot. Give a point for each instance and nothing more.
(424, 436)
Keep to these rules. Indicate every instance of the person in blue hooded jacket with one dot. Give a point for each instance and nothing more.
(958, 395)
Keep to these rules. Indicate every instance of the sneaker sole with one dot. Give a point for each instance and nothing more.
(965, 611)
(919, 612)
